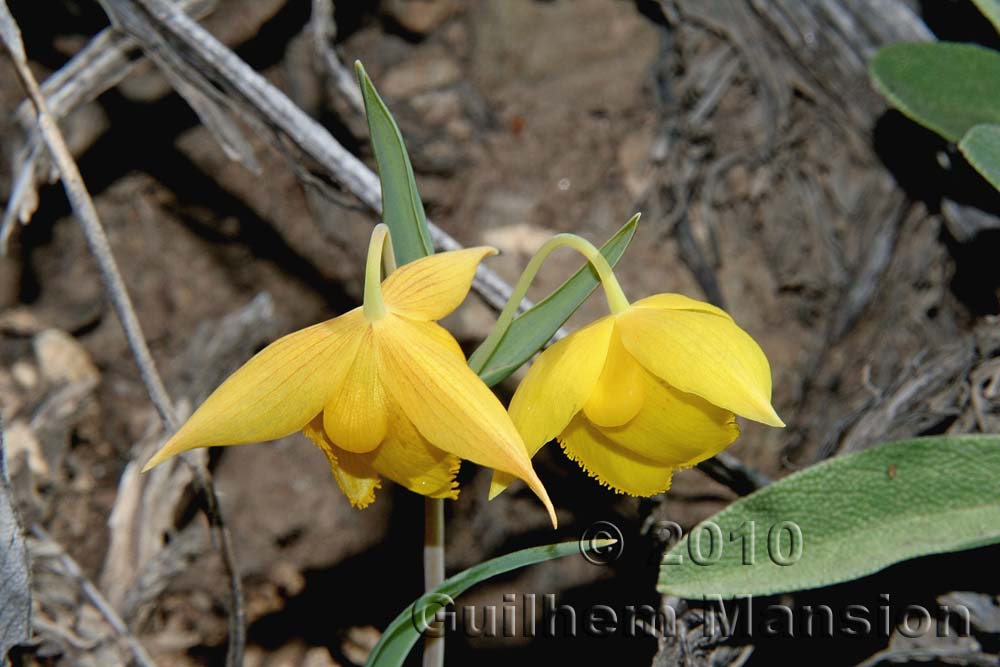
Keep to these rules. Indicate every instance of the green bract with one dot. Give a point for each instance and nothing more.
(532, 329)
(402, 209)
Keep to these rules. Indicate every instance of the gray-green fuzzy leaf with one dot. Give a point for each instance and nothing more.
(944, 86)
(15, 572)
(981, 147)
(855, 515)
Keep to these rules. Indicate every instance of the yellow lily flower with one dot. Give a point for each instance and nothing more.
(650, 388)
(383, 390)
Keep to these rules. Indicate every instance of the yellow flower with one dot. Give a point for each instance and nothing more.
(651, 388)
(383, 390)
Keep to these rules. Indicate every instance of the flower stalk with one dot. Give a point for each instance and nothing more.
(617, 301)
(433, 575)
(381, 262)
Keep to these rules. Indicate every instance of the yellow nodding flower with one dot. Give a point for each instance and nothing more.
(383, 390)
(652, 387)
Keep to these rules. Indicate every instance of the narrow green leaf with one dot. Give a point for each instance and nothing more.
(404, 631)
(402, 209)
(843, 519)
(981, 147)
(991, 10)
(944, 86)
(531, 330)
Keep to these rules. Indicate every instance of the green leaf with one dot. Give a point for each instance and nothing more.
(402, 209)
(843, 519)
(944, 86)
(981, 147)
(532, 329)
(397, 640)
(991, 10)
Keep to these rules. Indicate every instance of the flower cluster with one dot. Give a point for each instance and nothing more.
(384, 391)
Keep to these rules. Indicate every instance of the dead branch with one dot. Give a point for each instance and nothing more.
(72, 569)
(97, 241)
(154, 23)
(104, 62)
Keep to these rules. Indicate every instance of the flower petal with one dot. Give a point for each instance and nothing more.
(407, 458)
(702, 353)
(431, 287)
(356, 416)
(620, 392)
(674, 428)
(680, 302)
(556, 387)
(355, 475)
(448, 403)
(617, 468)
(276, 393)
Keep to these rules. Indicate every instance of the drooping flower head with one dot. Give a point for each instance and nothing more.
(650, 388)
(383, 390)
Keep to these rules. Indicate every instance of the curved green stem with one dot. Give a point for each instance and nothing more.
(617, 302)
(381, 261)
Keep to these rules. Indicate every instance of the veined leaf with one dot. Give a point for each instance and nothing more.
(15, 570)
(405, 630)
(531, 330)
(981, 147)
(843, 519)
(991, 10)
(944, 86)
(402, 209)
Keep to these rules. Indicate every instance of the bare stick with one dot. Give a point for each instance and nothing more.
(101, 64)
(261, 100)
(89, 589)
(86, 213)
(730, 471)
(324, 30)
(83, 208)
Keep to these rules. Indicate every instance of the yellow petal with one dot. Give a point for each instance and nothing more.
(619, 393)
(356, 416)
(407, 458)
(442, 338)
(448, 403)
(556, 387)
(431, 287)
(355, 475)
(620, 469)
(679, 302)
(674, 428)
(276, 393)
(702, 353)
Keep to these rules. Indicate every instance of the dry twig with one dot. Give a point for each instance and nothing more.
(105, 61)
(86, 213)
(153, 22)
(93, 595)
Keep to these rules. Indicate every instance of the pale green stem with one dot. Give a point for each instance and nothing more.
(380, 255)
(617, 302)
(433, 575)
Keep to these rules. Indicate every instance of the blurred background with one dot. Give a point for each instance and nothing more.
(856, 247)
